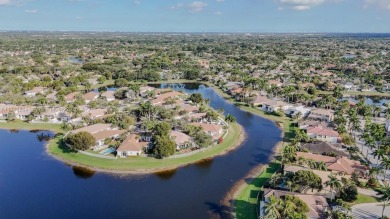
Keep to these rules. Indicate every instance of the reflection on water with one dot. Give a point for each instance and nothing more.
(44, 137)
(82, 172)
(206, 163)
(165, 175)
(14, 130)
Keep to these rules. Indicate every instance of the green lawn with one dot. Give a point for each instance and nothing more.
(31, 126)
(365, 199)
(141, 164)
(246, 203)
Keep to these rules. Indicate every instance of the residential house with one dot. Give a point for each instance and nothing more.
(100, 132)
(349, 86)
(338, 165)
(323, 134)
(160, 99)
(322, 115)
(93, 128)
(145, 89)
(324, 148)
(69, 98)
(213, 130)
(275, 82)
(317, 204)
(305, 124)
(90, 96)
(94, 113)
(131, 146)
(324, 175)
(35, 91)
(197, 117)
(275, 105)
(259, 101)
(109, 95)
(298, 110)
(101, 137)
(182, 140)
(23, 112)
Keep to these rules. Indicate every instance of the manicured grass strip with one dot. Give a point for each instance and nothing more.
(56, 147)
(246, 202)
(365, 199)
(31, 126)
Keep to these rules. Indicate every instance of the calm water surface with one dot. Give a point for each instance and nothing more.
(34, 185)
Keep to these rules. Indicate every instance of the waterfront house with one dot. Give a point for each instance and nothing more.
(160, 99)
(275, 105)
(93, 128)
(295, 110)
(322, 115)
(145, 89)
(337, 165)
(102, 136)
(213, 130)
(322, 133)
(181, 140)
(317, 204)
(131, 146)
(324, 148)
(260, 100)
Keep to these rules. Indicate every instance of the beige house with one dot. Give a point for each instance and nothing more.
(213, 130)
(337, 165)
(182, 140)
(131, 146)
(109, 95)
(322, 133)
(322, 115)
(90, 96)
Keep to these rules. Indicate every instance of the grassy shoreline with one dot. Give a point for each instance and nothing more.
(136, 165)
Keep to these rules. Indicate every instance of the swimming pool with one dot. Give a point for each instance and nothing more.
(108, 151)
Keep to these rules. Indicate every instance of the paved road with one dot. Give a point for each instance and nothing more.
(369, 211)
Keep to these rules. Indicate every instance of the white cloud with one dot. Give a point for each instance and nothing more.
(31, 11)
(301, 5)
(196, 6)
(193, 7)
(382, 4)
(5, 2)
(218, 13)
(177, 6)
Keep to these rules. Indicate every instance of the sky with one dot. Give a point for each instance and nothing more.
(265, 16)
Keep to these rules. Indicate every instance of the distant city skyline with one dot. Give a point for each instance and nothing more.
(266, 16)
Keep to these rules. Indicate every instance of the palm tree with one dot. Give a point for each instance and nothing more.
(230, 118)
(386, 165)
(379, 154)
(272, 208)
(384, 192)
(334, 184)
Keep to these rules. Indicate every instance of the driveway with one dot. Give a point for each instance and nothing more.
(369, 211)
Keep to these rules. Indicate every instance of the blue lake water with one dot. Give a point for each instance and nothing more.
(34, 185)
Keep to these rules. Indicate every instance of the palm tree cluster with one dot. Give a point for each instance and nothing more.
(286, 207)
